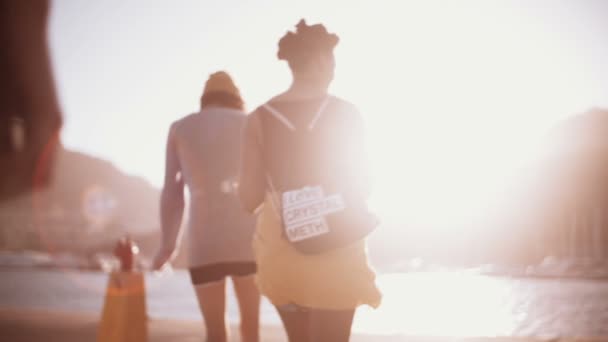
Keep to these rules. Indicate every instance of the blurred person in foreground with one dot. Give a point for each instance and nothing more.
(315, 294)
(30, 117)
(203, 151)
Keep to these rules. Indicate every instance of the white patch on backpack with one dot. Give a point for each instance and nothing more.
(304, 212)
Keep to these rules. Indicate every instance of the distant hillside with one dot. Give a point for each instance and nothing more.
(89, 204)
(564, 211)
(135, 200)
(559, 209)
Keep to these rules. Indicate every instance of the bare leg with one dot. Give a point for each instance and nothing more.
(331, 325)
(296, 324)
(212, 302)
(248, 297)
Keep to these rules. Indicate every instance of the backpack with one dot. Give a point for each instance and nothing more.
(319, 208)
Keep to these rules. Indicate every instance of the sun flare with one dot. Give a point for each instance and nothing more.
(455, 114)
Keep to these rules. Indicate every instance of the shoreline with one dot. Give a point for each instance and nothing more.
(406, 313)
(29, 325)
(539, 276)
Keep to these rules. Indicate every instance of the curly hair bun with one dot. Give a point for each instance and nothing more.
(307, 40)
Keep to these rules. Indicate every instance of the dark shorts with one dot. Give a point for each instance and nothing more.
(216, 272)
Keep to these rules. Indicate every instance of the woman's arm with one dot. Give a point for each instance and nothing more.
(252, 185)
(171, 204)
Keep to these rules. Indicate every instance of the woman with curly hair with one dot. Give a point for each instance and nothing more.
(315, 294)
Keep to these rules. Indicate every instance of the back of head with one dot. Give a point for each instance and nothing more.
(308, 42)
(221, 91)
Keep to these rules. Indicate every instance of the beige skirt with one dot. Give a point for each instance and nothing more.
(337, 280)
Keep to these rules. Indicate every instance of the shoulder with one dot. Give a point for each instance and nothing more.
(184, 122)
(254, 116)
(346, 112)
(343, 105)
(259, 109)
(252, 126)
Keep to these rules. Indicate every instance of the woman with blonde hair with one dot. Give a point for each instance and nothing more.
(305, 135)
(203, 151)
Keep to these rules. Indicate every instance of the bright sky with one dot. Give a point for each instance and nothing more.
(456, 94)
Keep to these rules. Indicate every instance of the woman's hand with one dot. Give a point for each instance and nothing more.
(171, 205)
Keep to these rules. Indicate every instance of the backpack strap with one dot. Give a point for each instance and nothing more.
(314, 120)
(279, 116)
(275, 199)
(285, 121)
